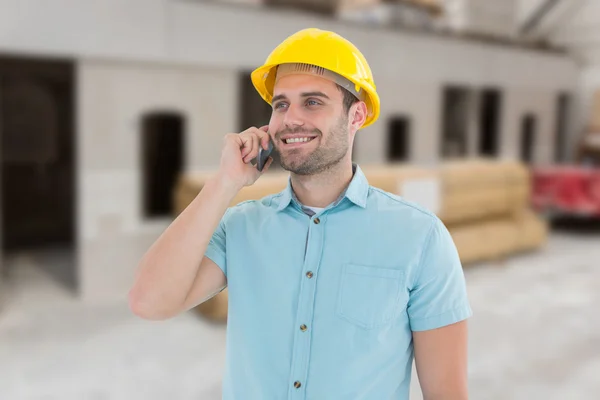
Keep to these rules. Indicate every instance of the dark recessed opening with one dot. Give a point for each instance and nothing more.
(37, 119)
(398, 142)
(528, 133)
(454, 122)
(562, 120)
(489, 121)
(162, 143)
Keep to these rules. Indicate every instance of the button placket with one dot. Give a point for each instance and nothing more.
(301, 351)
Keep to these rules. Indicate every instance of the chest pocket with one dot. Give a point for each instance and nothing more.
(368, 296)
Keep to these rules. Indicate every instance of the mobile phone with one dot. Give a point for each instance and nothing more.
(263, 156)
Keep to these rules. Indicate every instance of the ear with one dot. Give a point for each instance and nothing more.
(358, 115)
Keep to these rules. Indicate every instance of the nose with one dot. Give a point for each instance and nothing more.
(293, 117)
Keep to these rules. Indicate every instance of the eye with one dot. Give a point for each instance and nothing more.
(312, 102)
(279, 105)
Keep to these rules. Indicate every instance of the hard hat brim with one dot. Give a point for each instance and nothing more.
(263, 79)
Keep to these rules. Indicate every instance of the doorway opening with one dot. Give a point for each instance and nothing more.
(489, 122)
(528, 133)
(37, 114)
(398, 143)
(562, 122)
(455, 122)
(162, 144)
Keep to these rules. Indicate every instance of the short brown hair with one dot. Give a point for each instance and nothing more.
(349, 98)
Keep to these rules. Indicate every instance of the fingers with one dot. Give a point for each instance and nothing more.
(263, 134)
(251, 147)
(265, 137)
(258, 137)
(246, 143)
(264, 141)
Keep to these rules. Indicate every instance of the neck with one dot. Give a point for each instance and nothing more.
(324, 188)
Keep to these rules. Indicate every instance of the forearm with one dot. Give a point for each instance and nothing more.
(167, 271)
(447, 395)
(441, 360)
(447, 383)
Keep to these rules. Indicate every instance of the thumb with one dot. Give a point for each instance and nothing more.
(267, 165)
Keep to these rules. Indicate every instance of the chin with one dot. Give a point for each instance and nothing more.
(298, 168)
(303, 169)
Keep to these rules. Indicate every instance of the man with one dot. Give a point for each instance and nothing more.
(334, 286)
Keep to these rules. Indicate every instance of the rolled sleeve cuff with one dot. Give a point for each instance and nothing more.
(448, 318)
(217, 256)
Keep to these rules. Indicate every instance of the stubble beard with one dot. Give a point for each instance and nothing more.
(325, 157)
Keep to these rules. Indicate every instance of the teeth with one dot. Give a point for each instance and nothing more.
(297, 140)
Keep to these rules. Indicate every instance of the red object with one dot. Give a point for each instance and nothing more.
(569, 190)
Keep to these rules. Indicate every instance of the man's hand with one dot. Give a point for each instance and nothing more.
(238, 151)
(441, 361)
(175, 274)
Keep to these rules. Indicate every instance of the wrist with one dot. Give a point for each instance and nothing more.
(223, 186)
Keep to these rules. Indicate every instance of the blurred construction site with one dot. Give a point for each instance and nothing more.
(112, 116)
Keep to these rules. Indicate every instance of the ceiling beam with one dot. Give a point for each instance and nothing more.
(538, 14)
(554, 20)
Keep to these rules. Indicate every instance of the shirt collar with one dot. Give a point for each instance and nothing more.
(356, 192)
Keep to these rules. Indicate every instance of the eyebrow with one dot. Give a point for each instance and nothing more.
(315, 94)
(305, 94)
(278, 97)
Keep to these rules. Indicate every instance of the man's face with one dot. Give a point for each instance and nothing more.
(309, 125)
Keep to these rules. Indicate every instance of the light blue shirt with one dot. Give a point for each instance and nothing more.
(322, 306)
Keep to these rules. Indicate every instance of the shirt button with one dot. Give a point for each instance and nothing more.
(316, 220)
(303, 328)
(309, 274)
(297, 384)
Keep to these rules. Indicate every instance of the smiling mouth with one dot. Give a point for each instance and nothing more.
(297, 140)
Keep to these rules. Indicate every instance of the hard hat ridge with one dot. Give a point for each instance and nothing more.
(309, 69)
(323, 53)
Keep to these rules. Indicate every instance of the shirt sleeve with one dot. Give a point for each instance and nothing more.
(438, 296)
(216, 249)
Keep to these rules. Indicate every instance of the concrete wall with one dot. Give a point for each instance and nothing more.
(110, 28)
(590, 84)
(491, 17)
(409, 69)
(113, 97)
(525, 8)
(576, 27)
(142, 55)
(540, 103)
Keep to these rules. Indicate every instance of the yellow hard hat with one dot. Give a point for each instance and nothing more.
(340, 59)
